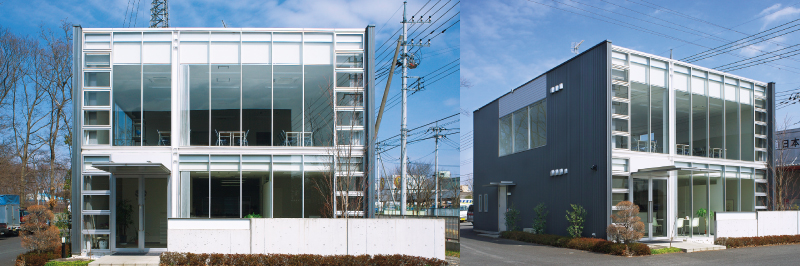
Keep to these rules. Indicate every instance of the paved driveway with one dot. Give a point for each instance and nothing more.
(480, 250)
(9, 249)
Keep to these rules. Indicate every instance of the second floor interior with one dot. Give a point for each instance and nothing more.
(177, 87)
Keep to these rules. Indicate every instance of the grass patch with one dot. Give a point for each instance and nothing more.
(452, 253)
(665, 250)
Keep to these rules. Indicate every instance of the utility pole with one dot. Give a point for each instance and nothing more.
(436, 134)
(159, 14)
(403, 111)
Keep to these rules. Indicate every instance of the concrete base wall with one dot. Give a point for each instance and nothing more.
(414, 237)
(763, 223)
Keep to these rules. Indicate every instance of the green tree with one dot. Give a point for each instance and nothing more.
(575, 218)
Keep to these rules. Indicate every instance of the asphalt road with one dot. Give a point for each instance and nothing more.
(9, 249)
(481, 250)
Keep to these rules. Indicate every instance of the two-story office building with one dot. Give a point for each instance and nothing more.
(215, 123)
(614, 124)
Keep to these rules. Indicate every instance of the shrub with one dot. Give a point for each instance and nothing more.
(627, 226)
(175, 258)
(68, 263)
(512, 217)
(34, 258)
(582, 243)
(540, 221)
(39, 235)
(738, 242)
(575, 218)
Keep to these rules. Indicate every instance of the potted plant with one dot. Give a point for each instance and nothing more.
(702, 214)
(124, 219)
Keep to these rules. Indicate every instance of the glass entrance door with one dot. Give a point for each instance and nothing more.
(650, 195)
(140, 213)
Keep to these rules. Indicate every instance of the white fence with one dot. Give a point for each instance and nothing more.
(762, 223)
(414, 237)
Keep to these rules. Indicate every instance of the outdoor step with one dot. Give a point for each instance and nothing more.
(125, 260)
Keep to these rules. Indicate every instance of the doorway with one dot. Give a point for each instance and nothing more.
(650, 194)
(140, 214)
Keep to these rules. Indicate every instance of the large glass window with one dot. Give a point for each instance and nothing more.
(699, 125)
(640, 109)
(225, 105)
(225, 187)
(257, 105)
(683, 122)
(198, 97)
(127, 106)
(731, 123)
(288, 98)
(288, 187)
(747, 119)
(199, 187)
(659, 119)
(731, 189)
(505, 144)
(538, 123)
(156, 105)
(520, 124)
(318, 104)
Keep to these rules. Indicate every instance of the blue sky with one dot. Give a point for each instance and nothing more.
(439, 99)
(506, 43)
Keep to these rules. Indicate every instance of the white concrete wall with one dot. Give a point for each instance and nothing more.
(414, 237)
(763, 223)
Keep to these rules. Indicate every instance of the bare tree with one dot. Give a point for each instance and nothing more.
(342, 187)
(56, 81)
(785, 188)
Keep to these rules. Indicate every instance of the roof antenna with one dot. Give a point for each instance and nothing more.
(670, 53)
(223, 24)
(576, 47)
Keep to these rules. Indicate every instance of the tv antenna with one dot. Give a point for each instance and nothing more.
(576, 47)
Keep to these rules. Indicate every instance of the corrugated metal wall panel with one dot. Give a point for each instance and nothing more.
(525, 95)
(578, 137)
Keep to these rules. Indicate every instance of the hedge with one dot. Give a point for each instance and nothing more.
(68, 263)
(581, 243)
(738, 242)
(177, 258)
(36, 259)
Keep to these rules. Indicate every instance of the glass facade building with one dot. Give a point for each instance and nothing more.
(215, 123)
(712, 126)
(680, 141)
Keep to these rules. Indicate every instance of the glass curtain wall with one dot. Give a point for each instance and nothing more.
(259, 88)
(266, 186)
(732, 193)
(647, 97)
(141, 89)
(700, 195)
(718, 117)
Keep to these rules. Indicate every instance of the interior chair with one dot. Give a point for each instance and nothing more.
(680, 223)
(695, 223)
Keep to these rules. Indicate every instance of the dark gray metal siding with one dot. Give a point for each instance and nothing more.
(578, 137)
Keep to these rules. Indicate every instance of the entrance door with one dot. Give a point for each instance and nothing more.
(650, 194)
(140, 213)
(502, 196)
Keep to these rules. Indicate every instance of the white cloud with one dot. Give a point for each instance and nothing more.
(778, 15)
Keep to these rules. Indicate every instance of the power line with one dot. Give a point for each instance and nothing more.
(740, 43)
